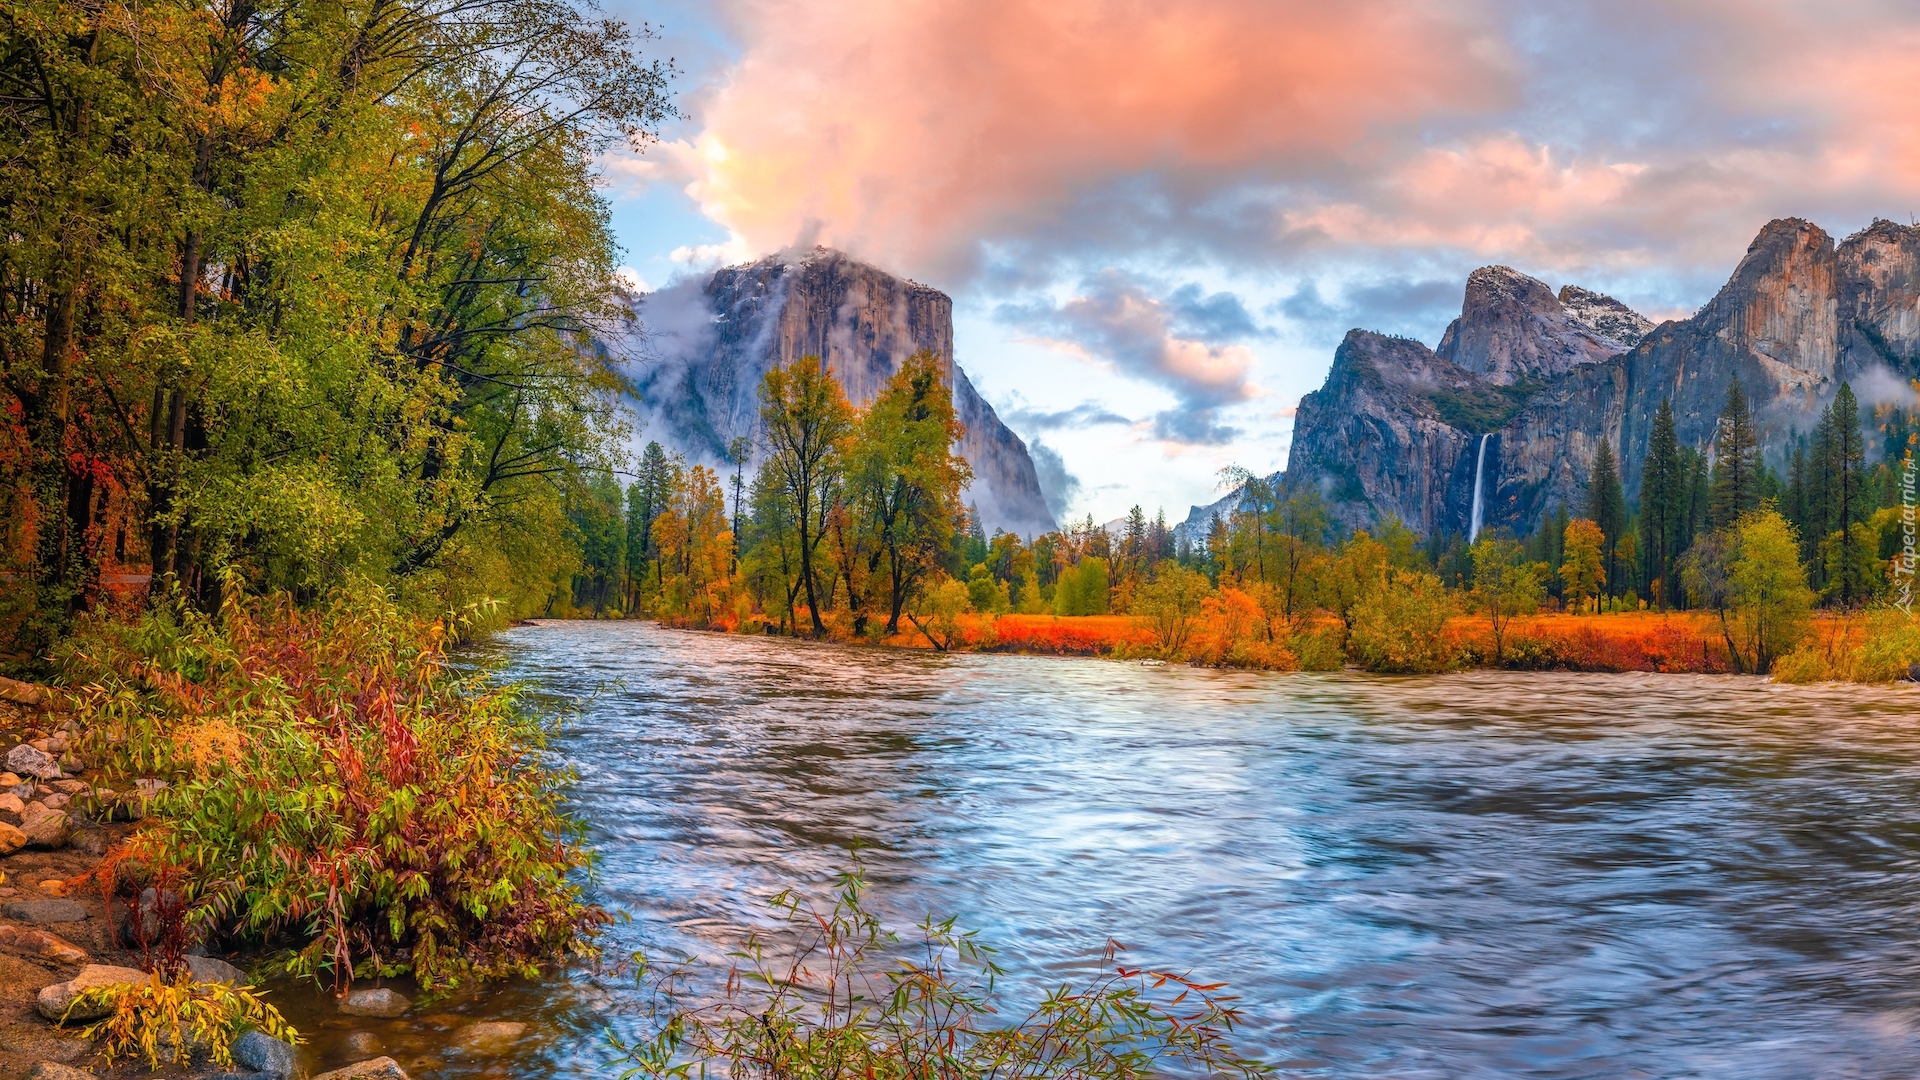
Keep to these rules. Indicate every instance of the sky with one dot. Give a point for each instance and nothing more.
(1158, 220)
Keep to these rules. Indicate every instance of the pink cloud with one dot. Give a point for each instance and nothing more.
(907, 131)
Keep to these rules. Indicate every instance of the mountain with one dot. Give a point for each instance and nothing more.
(1542, 377)
(710, 341)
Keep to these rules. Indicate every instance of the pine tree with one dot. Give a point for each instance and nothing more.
(1662, 505)
(1607, 507)
(1847, 499)
(1736, 465)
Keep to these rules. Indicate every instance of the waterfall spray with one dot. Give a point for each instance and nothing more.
(1479, 468)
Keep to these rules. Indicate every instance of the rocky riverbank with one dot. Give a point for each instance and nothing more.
(65, 917)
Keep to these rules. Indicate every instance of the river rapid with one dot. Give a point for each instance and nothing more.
(1477, 875)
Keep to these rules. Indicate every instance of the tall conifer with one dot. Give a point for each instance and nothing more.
(1607, 506)
(1736, 461)
(1662, 504)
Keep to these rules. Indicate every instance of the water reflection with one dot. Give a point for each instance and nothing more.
(1479, 875)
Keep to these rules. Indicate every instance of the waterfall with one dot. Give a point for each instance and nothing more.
(1479, 468)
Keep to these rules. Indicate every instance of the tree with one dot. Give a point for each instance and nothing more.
(906, 479)
(1583, 571)
(1400, 624)
(804, 422)
(1170, 604)
(1849, 503)
(1767, 592)
(1504, 585)
(1736, 463)
(1607, 507)
(1082, 588)
(1662, 506)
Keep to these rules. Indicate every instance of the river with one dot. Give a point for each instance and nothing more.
(1477, 875)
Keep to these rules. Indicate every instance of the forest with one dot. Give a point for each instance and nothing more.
(856, 519)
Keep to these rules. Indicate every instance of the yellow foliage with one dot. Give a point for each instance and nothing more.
(158, 1018)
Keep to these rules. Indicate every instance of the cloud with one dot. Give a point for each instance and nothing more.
(1186, 344)
(1084, 415)
(910, 132)
(1016, 141)
(1058, 486)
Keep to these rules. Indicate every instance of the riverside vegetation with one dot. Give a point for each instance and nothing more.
(854, 528)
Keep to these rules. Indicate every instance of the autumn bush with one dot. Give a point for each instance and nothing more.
(839, 995)
(1879, 646)
(1400, 626)
(337, 785)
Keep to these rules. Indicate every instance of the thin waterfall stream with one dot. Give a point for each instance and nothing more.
(1479, 469)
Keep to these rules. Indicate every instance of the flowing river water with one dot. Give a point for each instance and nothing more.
(1478, 875)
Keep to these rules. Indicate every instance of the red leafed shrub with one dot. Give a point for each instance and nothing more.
(337, 784)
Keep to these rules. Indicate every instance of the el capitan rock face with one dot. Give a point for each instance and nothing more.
(1546, 376)
(715, 340)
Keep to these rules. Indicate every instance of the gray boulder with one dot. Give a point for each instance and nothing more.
(264, 1054)
(27, 761)
(380, 1068)
(45, 828)
(379, 1001)
(41, 912)
(209, 970)
(491, 1037)
(55, 1000)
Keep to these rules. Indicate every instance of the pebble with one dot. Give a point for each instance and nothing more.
(12, 839)
(41, 912)
(56, 801)
(54, 887)
(54, 1000)
(264, 1054)
(12, 804)
(70, 787)
(379, 1001)
(491, 1037)
(380, 1068)
(8, 779)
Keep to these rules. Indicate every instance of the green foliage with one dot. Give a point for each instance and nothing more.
(988, 596)
(1482, 407)
(309, 291)
(1607, 508)
(1751, 577)
(1082, 588)
(944, 605)
(851, 1003)
(1400, 624)
(1171, 604)
(169, 1019)
(337, 783)
(1736, 461)
(1505, 585)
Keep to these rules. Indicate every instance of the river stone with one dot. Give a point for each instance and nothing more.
(487, 1038)
(206, 969)
(55, 999)
(41, 943)
(27, 761)
(379, 1001)
(12, 805)
(42, 912)
(264, 1054)
(380, 1068)
(11, 839)
(45, 828)
(8, 779)
(363, 1042)
(53, 1070)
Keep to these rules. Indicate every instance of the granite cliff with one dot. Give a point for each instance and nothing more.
(1544, 376)
(710, 342)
